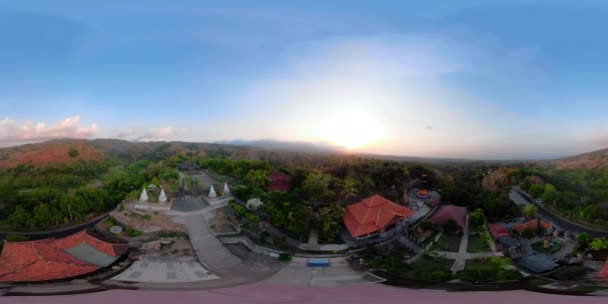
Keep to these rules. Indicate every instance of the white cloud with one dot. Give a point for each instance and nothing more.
(16, 131)
(156, 134)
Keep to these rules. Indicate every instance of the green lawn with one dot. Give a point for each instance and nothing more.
(477, 245)
(554, 247)
(488, 270)
(447, 242)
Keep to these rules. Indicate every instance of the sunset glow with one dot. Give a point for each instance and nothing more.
(351, 130)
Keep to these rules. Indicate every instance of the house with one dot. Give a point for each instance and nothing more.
(447, 213)
(55, 259)
(498, 231)
(504, 242)
(373, 215)
(533, 224)
(279, 181)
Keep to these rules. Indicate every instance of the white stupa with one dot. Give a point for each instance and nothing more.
(212, 193)
(226, 189)
(144, 196)
(162, 197)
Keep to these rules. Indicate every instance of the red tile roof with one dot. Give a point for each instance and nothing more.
(46, 259)
(372, 214)
(498, 231)
(279, 181)
(603, 274)
(448, 213)
(83, 237)
(531, 224)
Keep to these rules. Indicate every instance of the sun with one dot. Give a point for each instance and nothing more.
(351, 130)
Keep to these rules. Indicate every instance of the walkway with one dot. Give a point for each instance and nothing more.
(208, 248)
(339, 273)
(159, 270)
(462, 255)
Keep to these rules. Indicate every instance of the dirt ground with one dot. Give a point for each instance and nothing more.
(155, 222)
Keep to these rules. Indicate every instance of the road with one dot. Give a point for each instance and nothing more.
(207, 247)
(557, 220)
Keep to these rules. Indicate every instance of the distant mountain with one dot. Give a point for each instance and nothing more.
(593, 160)
(58, 151)
(278, 145)
(47, 153)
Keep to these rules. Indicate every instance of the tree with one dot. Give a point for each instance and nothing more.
(583, 239)
(528, 232)
(20, 218)
(316, 188)
(599, 244)
(73, 152)
(42, 215)
(329, 222)
(257, 178)
(530, 211)
(536, 190)
(476, 217)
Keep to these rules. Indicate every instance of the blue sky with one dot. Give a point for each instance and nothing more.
(472, 79)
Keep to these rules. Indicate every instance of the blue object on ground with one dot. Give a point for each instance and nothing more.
(318, 263)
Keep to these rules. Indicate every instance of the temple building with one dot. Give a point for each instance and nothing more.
(226, 189)
(373, 215)
(212, 193)
(55, 259)
(447, 213)
(144, 196)
(162, 197)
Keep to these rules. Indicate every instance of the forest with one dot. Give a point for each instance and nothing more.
(581, 194)
(43, 197)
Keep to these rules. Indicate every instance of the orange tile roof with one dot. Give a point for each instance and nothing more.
(39, 261)
(372, 214)
(84, 237)
(46, 259)
(531, 224)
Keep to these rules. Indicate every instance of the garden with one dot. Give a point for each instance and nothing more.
(447, 242)
(547, 247)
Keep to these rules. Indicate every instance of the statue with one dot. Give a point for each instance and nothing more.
(162, 197)
(144, 196)
(212, 193)
(226, 189)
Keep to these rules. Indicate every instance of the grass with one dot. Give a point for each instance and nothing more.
(447, 242)
(488, 270)
(476, 244)
(553, 248)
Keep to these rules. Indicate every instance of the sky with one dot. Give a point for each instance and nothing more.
(461, 79)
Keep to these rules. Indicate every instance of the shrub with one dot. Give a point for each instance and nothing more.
(147, 217)
(285, 257)
(73, 152)
(528, 232)
(16, 238)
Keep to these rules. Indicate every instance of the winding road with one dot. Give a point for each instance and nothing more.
(561, 222)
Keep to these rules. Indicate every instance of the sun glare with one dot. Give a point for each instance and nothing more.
(351, 130)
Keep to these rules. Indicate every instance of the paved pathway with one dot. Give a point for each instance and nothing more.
(462, 255)
(339, 273)
(159, 270)
(208, 248)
